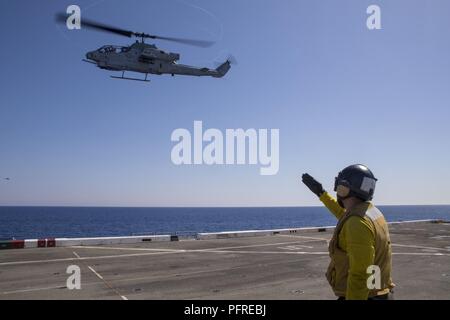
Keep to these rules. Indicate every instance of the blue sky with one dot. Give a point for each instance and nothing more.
(339, 93)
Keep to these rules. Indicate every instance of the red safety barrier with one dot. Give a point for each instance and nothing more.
(51, 243)
(18, 244)
(41, 243)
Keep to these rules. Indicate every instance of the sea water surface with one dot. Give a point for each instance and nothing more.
(41, 222)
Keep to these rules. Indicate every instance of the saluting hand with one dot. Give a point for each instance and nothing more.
(313, 184)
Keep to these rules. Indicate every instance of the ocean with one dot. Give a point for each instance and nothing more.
(48, 222)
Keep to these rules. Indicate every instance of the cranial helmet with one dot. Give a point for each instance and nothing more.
(355, 181)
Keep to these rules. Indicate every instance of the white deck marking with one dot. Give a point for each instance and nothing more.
(297, 247)
(199, 250)
(305, 237)
(31, 290)
(259, 245)
(100, 277)
(268, 252)
(440, 237)
(129, 249)
(83, 258)
(418, 247)
(95, 272)
(107, 284)
(126, 256)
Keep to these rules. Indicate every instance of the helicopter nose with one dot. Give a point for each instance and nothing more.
(90, 56)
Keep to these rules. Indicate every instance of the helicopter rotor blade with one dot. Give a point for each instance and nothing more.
(86, 23)
(90, 24)
(103, 27)
(191, 42)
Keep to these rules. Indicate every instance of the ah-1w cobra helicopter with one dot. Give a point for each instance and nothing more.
(142, 57)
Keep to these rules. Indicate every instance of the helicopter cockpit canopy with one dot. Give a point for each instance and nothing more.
(113, 49)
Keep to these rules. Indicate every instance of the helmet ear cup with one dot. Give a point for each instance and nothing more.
(342, 191)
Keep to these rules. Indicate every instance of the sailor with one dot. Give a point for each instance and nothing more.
(360, 249)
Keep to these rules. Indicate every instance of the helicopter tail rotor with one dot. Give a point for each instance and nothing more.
(229, 58)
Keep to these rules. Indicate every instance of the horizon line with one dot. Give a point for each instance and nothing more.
(199, 207)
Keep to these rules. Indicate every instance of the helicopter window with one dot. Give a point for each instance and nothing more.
(107, 49)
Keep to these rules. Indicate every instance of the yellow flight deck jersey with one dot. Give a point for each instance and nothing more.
(361, 239)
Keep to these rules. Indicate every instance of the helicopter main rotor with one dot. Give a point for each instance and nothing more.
(90, 24)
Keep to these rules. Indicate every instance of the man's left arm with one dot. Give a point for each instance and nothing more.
(360, 247)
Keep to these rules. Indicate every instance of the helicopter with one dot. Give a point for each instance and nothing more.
(142, 57)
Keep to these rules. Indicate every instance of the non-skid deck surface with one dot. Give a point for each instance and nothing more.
(269, 267)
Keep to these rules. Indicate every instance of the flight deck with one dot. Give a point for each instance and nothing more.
(224, 266)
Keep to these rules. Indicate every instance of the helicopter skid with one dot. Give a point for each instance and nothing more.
(133, 79)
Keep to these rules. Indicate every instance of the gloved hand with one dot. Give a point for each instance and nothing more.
(313, 184)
